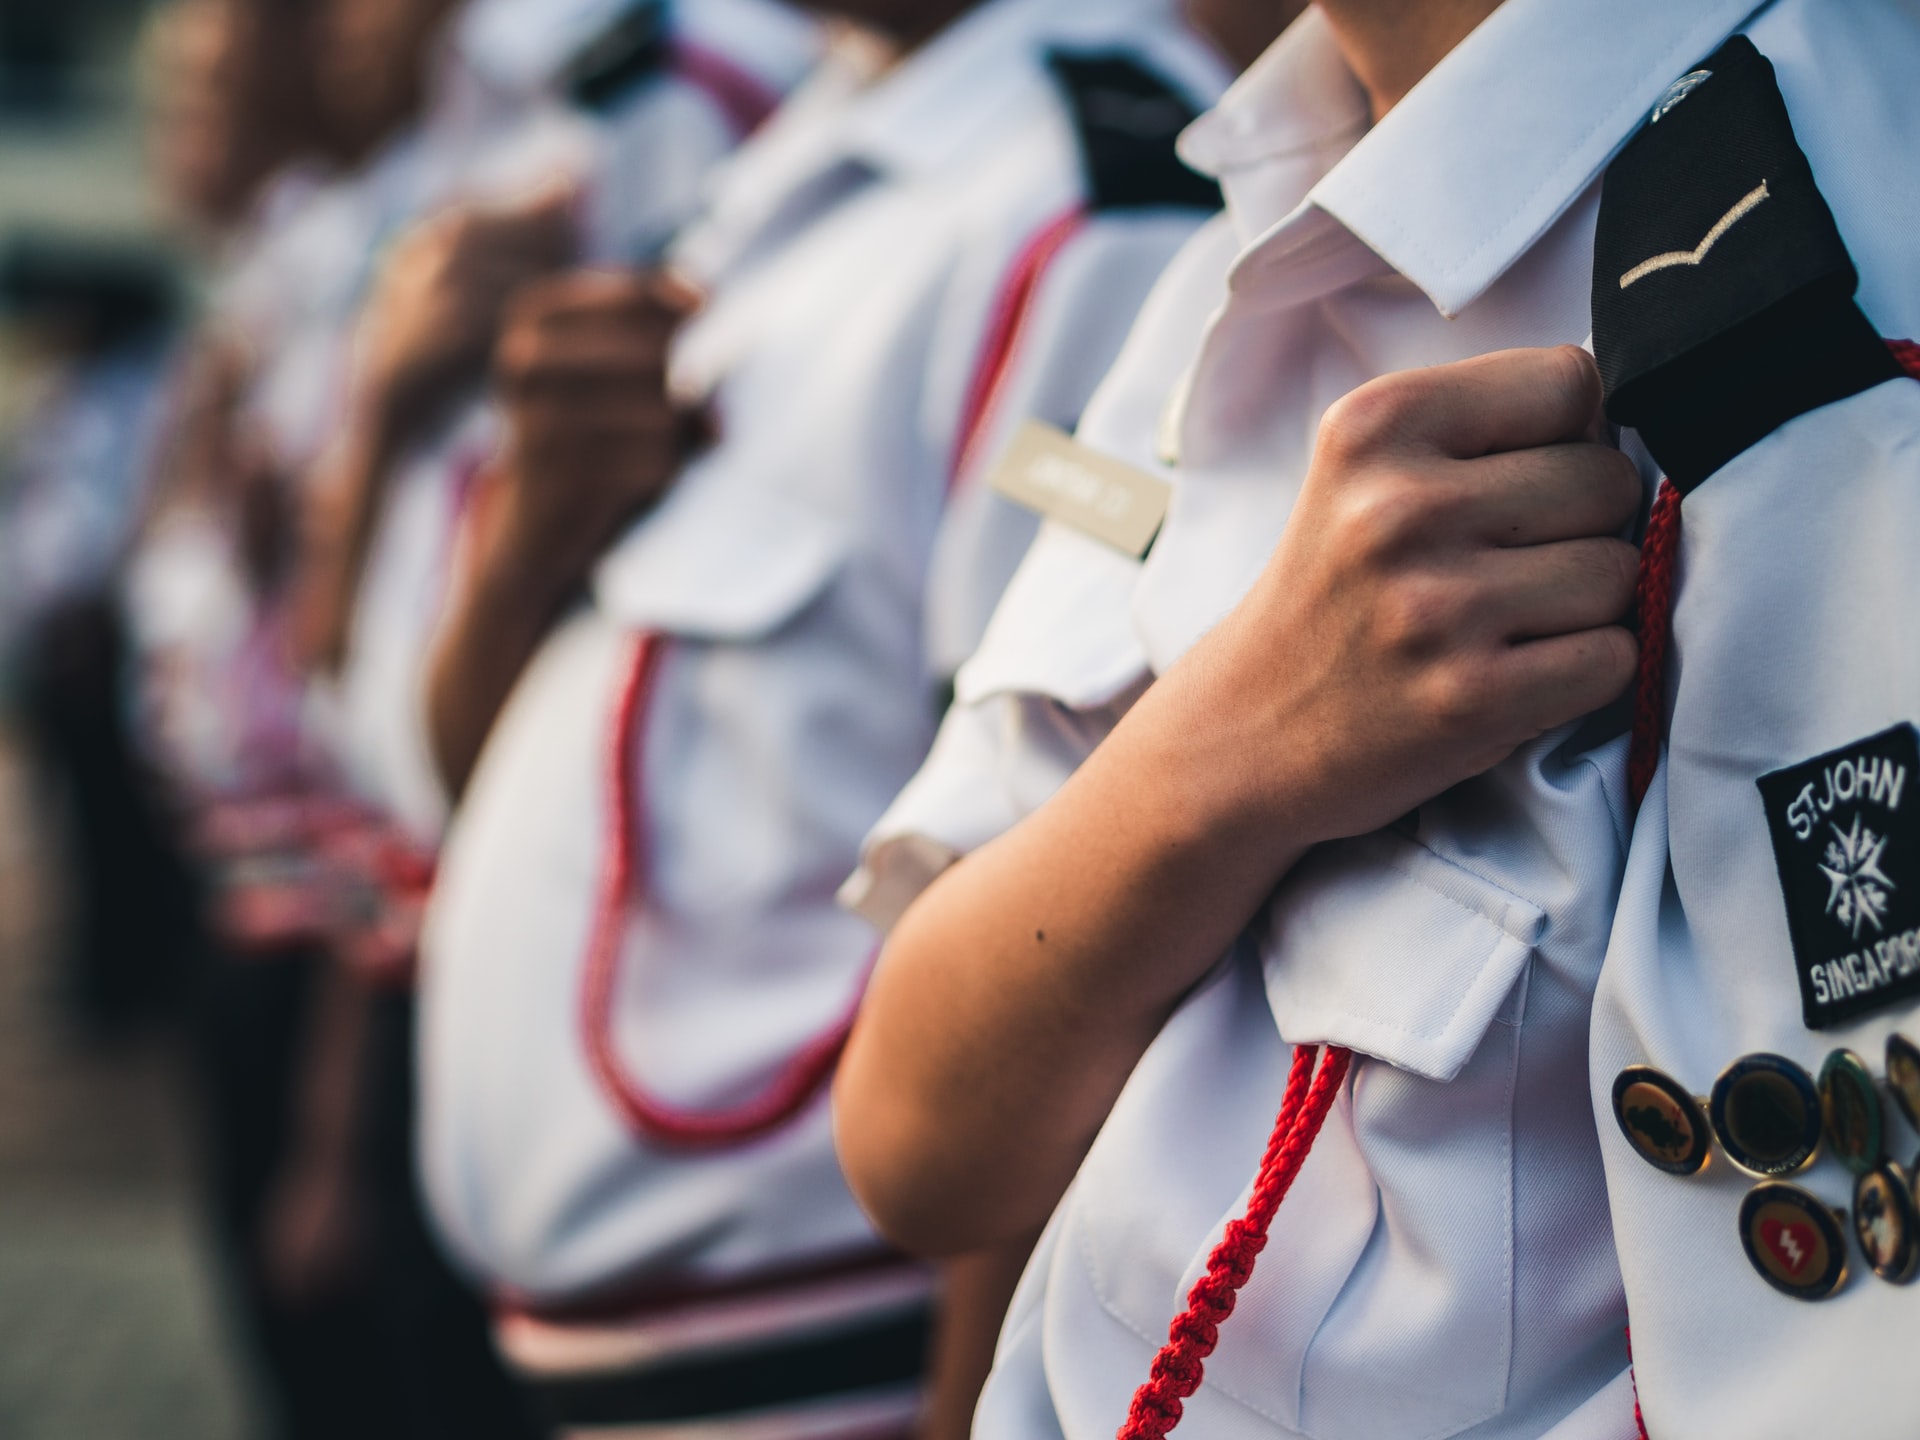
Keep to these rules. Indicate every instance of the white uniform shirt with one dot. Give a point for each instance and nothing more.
(644, 174)
(1791, 639)
(1443, 1265)
(858, 253)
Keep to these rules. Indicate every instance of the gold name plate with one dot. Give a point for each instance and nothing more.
(1050, 474)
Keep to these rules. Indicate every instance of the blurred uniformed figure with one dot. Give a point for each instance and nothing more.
(656, 97)
(1223, 833)
(501, 110)
(98, 325)
(1753, 1070)
(635, 980)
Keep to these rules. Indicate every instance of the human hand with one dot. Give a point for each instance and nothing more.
(1449, 587)
(593, 437)
(432, 320)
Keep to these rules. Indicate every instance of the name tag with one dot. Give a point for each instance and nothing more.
(1097, 495)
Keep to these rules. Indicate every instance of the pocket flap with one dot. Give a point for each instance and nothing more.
(1382, 945)
(724, 557)
(1063, 628)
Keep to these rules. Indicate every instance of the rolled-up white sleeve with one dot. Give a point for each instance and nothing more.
(994, 762)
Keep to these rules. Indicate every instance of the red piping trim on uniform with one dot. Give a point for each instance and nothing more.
(805, 1076)
(1005, 324)
(1653, 593)
(1181, 1364)
(742, 96)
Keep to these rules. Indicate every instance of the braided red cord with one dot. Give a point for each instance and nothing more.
(805, 1076)
(1181, 1364)
(1653, 597)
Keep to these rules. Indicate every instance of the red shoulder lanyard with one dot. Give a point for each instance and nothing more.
(798, 1083)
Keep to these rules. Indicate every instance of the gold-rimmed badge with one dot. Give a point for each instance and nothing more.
(1793, 1241)
(1851, 1111)
(1886, 1223)
(1661, 1120)
(1765, 1111)
(1903, 1076)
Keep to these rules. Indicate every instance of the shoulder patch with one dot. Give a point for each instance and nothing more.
(1846, 840)
(1128, 119)
(632, 49)
(1722, 290)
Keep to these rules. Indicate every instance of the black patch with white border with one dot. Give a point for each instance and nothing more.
(1846, 840)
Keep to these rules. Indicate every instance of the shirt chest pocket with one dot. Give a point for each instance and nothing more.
(1401, 1269)
(725, 557)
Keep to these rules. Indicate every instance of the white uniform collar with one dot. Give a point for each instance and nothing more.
(1537, 99)
(913, 121)
(935, 103)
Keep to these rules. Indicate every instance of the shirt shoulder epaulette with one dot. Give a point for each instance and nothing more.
(1723, 293)
(1127, 120)
(631, 49)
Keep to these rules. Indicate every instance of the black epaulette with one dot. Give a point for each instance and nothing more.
(1128, 119)
(632, 49)
(1722, 291)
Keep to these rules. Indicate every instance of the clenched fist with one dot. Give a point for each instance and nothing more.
(1451, 585)
(432, 321)
(593, 437)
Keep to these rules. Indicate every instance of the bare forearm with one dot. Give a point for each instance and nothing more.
(496, 624)
(1019, 992)
(336, 538)
(974, 1294)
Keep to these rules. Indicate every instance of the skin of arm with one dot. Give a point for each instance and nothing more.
(975, 1291)
(1448, 588)
(313, 1231)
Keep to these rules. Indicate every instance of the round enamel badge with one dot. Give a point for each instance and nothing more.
(1903, 1076)
(1766, 1112)
(1661, 1120)
(1850, 1107)
(1886, 1223)
(1793, 1241)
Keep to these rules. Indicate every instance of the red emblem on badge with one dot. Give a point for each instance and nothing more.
(1793, 1243)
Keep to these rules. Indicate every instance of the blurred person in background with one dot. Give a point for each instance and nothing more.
(94, 324)
(354, 328)
(711, 586)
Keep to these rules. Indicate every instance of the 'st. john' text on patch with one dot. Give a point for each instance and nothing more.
(1846, 839)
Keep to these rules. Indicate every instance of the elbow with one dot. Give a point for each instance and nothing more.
(894, 1166)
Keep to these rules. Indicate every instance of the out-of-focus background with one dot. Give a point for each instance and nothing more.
(110, 1325)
